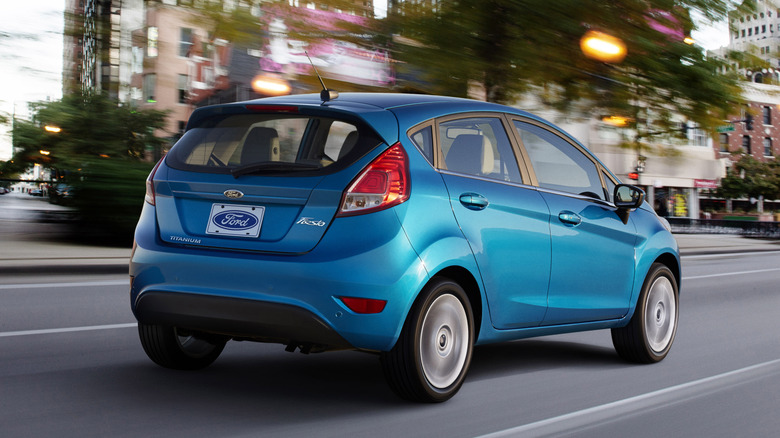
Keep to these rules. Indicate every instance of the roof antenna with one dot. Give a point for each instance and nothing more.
(325, 95)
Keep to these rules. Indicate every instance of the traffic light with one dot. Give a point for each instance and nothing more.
(749, 122)
(633, 176)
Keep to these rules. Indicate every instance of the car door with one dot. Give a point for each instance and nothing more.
(504, 220)
(592, 266)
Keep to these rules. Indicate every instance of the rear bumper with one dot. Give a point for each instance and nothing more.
(239, 318)
(282, 298)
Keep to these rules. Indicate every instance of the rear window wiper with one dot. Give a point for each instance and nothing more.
(270, 166)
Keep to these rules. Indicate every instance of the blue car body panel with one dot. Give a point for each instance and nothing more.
(522, 265)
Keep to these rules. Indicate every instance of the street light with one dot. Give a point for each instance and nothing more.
(618, 121)
(603, 47)
(270, 85)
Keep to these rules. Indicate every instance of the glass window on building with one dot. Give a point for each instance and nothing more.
(185, 41)
(182, 88)
(698, 137)
(150, 82)
(746, 144)
(151, 42)
(724, 142)
(767, 115)
(767, 147)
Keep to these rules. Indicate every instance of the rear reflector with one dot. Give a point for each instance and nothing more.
(382, 184)
(364, 305)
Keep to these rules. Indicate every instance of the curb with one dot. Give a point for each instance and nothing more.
(66, 266)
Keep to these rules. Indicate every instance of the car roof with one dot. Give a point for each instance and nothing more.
(384, 111)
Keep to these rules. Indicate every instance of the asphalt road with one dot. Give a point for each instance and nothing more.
(71, 365)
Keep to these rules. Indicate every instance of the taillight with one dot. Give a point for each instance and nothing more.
(150, 196)
(382, 184)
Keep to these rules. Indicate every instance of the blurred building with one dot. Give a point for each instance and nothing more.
(758, 33)
(163, 50)
(755, 131)
(97, 49)
(178, 64)
(675, 183)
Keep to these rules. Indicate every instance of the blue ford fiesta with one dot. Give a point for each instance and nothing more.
(409, 226)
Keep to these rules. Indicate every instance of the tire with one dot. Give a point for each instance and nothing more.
(171, 348)
(432, 355)
(649, 335)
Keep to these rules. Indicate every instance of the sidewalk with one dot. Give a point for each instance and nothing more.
(21, 256)
(699, 244)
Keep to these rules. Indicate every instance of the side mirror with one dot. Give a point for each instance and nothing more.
(627, 197)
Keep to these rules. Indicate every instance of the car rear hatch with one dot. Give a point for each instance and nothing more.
(259, 177)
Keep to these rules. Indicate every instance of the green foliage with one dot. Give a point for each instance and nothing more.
(751, 178)
(108, 197)
(509, 47)
(91, 126)
(99, 151)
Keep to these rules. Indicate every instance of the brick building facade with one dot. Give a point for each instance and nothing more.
(756, 130)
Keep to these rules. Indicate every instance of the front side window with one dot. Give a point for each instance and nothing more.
(478, 146)
(767, 115)
(767, 147)
(746, 144)
(610, 185)
(558, 164)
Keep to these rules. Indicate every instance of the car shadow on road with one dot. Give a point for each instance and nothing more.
(517, 357)
(253, 375)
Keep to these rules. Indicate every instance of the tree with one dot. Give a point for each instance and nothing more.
(752, 179)
(509, 47)
(90, 126)
(98, 149)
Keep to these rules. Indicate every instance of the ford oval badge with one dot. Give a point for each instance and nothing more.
(235, 220)
(233, 194)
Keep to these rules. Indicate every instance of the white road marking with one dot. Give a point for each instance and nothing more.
(66, 330)
(651, 400)
(728, 254)
(728, 274)
(57, 285)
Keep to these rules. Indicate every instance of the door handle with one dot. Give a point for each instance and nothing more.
(474, 201)
(569, 217)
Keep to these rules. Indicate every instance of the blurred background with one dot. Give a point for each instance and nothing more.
(95, 92)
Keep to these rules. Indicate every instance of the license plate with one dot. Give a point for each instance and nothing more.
(235, 220)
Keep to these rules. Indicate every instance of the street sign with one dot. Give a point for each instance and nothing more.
(726, 128)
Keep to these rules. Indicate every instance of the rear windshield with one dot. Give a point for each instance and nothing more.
(271, 143)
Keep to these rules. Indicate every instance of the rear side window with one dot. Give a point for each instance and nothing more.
(478, 146)
(270, 143)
